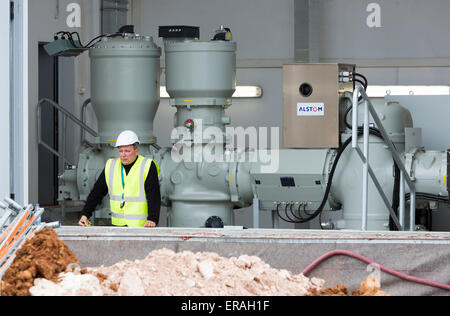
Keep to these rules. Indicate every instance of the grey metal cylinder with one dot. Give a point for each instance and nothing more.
(347, 183)
(200, 73)
(429, 171)
(196, 191)
(201, 80)
(125, 86)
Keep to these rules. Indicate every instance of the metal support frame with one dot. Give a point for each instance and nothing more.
(66, 114)
(367, 170)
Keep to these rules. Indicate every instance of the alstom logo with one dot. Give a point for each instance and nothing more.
(310, 109)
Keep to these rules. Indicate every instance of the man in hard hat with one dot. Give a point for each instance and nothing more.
(132, 184)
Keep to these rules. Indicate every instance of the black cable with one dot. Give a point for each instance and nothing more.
(361, 82)
(79, 38)
(395, 197)
(428, 197)
(299, 217)
(366, 82)
(69, 36)
(279, 215)
(286, 213)
(304, 210)
(98, 38)
(349, 109)
(88, 45)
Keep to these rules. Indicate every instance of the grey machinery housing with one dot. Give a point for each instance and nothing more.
(317, 170)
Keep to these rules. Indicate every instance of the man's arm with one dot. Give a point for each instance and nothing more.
(153, 194)
(96, 196)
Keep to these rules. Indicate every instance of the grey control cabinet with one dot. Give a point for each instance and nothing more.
(311, 99)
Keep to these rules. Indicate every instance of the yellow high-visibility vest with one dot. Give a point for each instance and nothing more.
(128, 201)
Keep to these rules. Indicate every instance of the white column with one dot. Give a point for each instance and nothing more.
(5, 98)
(19, 100)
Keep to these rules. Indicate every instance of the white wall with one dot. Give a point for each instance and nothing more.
(5, 93)
(262, 28)
(19, 98)
(409, 29)
(410, 47)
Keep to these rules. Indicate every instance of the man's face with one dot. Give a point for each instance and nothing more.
(128, 154)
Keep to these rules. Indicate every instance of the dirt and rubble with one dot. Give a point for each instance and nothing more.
(43, 256)
(369, 287)
(45, 266)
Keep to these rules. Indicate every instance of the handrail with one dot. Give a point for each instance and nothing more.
(404, 175)
(66, 114)
(83, 111)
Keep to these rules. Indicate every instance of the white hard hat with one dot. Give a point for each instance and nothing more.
(127, 138)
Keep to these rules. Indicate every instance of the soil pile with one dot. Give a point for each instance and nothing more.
(166, 273)
(369, 287)
(43, 256)
(45, 266)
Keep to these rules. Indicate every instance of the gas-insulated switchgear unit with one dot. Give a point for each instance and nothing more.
(316, 171)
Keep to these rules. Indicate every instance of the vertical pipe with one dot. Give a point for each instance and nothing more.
(63, 141)
(402, 201)
(355, 117)
(365, 201)
(412, 211)
(255, 212)
(275, 220)
(63, 208)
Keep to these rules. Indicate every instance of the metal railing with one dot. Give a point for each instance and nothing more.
(66, 114)
(367, 170)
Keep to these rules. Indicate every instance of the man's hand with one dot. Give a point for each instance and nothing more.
(83, 221)
(150, 224)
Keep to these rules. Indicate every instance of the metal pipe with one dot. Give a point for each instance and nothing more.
(255, 212)
(412, 210)
(63, 208)
(402, 200)
(5, 218)
(13, 204)
(365, 198)
(380, 191)
(275, 220)
(365, 159)
(355, 117)
(64, 142)
(83, 110)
